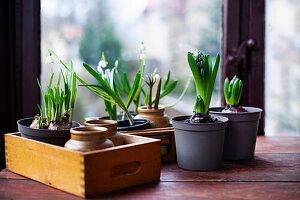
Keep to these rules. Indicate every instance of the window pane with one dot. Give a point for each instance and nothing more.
(80, 30)
(282, 72)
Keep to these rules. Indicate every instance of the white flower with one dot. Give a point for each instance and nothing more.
(102, 63)
(50, 59)
(103, 76)
(156, 76)
(116, 63)
(143, 56)
(143, 48)
(99, 69)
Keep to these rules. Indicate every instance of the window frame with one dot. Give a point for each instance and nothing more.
(242, 21)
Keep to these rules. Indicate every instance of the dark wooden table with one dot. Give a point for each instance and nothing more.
(274, 173)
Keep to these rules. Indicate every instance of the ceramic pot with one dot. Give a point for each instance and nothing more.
(56, 137)
(199, 147)
(241, 132)
(88, 138)
(111, 126)
(156, 117)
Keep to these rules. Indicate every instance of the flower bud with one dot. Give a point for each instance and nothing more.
(50, 59)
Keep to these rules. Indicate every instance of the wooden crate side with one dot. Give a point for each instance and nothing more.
(166, 136)
(122, 167)
(48, 164)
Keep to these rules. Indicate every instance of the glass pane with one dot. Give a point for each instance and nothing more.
(282, 72)
(80, 30)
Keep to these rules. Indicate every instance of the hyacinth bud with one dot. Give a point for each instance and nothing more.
(200, 63)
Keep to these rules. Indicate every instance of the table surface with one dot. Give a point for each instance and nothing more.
(274, 173)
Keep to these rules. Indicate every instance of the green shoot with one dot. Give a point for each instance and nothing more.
(233, 91)
(204, 76)
(58, 102)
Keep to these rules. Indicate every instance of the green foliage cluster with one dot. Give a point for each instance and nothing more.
(233, 91)
(204, 75)
(58, 101)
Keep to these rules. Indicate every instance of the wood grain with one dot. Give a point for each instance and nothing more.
(166, 137)
(263, 167)
(85, 174)
(284, 144)
(274, 173)
(20, 189)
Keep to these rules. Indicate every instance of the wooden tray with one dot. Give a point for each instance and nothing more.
(85, 174)
(167, 139)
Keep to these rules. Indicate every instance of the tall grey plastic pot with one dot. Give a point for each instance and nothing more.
(241, 131)
(199, 147)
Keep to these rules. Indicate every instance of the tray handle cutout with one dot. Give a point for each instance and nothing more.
(125, 169)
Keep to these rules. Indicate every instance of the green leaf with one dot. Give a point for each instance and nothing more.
(133, 90)
(182, 94)
(211, 83)
(226, 90)
(126, 83)
(169, 89)
(167, 81)
(234, 93)
(196, 74)
(95, 75)
(240, 89)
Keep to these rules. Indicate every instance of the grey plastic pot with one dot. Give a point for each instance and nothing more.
(199, 147)
(241, 131)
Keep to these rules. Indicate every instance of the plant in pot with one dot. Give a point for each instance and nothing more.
(55, 120)
(154, 114)
(131, 92)
(199, 138)
(152, 111)
(241, 131)
(108, 91)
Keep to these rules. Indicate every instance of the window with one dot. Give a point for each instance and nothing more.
(282, 75)
(80, 30)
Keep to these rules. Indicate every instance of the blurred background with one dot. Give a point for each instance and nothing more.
(81, 30)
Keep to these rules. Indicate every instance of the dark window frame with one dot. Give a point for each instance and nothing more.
(243, 50)
(20, 64)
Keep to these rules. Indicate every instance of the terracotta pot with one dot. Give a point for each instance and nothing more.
(111, 126)
(241, 131)
(199, 147)
(56, 137)
(88, 138)
(156, 117)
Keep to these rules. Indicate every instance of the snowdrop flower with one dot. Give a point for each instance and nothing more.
(143, 56)
(116, 63)
(99, 69)
(102, 63)
(50, 59)
(103, 76)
